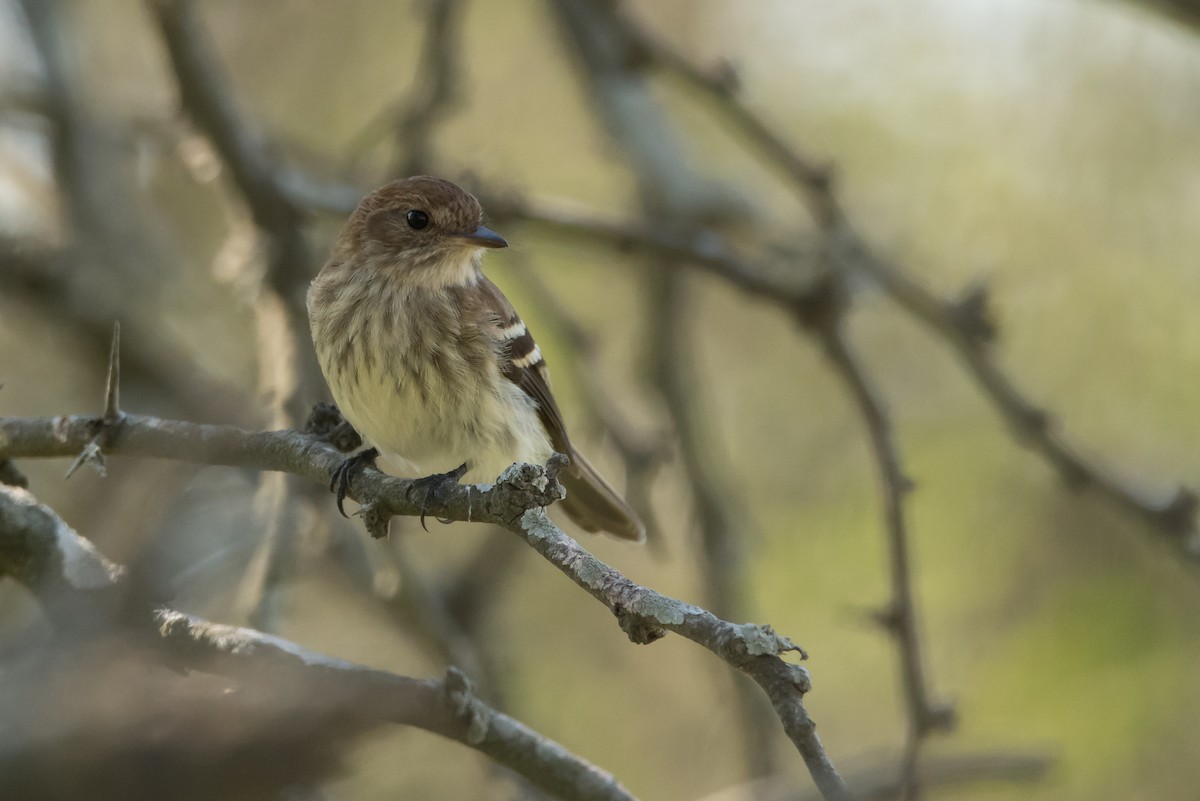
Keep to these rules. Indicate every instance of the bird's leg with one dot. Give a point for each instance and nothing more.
(436, 486)
(347, 470)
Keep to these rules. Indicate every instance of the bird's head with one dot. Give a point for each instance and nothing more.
(428, 227)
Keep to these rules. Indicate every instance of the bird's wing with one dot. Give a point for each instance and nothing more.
(521, 362)
(590, 501)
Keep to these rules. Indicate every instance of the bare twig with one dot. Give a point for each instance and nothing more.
(644, 614)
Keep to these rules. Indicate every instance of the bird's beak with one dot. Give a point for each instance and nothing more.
(483, 237)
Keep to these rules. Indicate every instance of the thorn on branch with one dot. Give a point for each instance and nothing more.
(972, 315)
(93, 453)
(90, 455)
(821, 307)
(822, 177)
(939, 716)
(1179, 516)
(727, 76)
(637, 55)
(889, 618)
(112, 390)
(1031, 423)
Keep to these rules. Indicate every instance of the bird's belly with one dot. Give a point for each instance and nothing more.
(426, 429)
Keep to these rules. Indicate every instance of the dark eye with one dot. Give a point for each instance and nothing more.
(417, 219)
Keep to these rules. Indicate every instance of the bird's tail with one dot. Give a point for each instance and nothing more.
(594, 505)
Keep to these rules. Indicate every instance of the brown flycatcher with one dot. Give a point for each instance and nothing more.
(429, 361)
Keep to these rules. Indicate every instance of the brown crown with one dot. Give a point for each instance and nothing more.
(382, 215)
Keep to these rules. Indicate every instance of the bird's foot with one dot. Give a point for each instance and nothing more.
(436, 486)
(347, 470)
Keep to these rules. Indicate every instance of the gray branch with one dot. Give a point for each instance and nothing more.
(516, 502)
(38, 549)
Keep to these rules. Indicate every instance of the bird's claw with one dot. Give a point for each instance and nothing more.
(345, 472)
(436, 486)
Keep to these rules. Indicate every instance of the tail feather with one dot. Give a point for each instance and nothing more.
(596, 506)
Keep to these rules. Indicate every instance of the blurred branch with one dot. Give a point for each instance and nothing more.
(437, 90)
(449, 708)
(824, 314)
(1185, 12)
(878, 782)
(965, 324)
(206, 98)
(268, 188)
(425, 609)
(107, 231)
(515, 502)
(38, 549)
(680, 240)
(413, 120)
(73, 137)
(41, 276)
(724, 526)
(471, 592)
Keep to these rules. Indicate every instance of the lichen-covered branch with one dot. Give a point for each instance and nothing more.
(516, 502)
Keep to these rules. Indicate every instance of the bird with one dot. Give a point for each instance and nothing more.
(428, 360)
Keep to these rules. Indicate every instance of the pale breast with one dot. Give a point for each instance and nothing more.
(420, 380)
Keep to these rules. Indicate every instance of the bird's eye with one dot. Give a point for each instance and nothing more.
(417, 219)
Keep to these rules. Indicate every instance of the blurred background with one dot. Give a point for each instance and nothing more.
(1045, 149)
